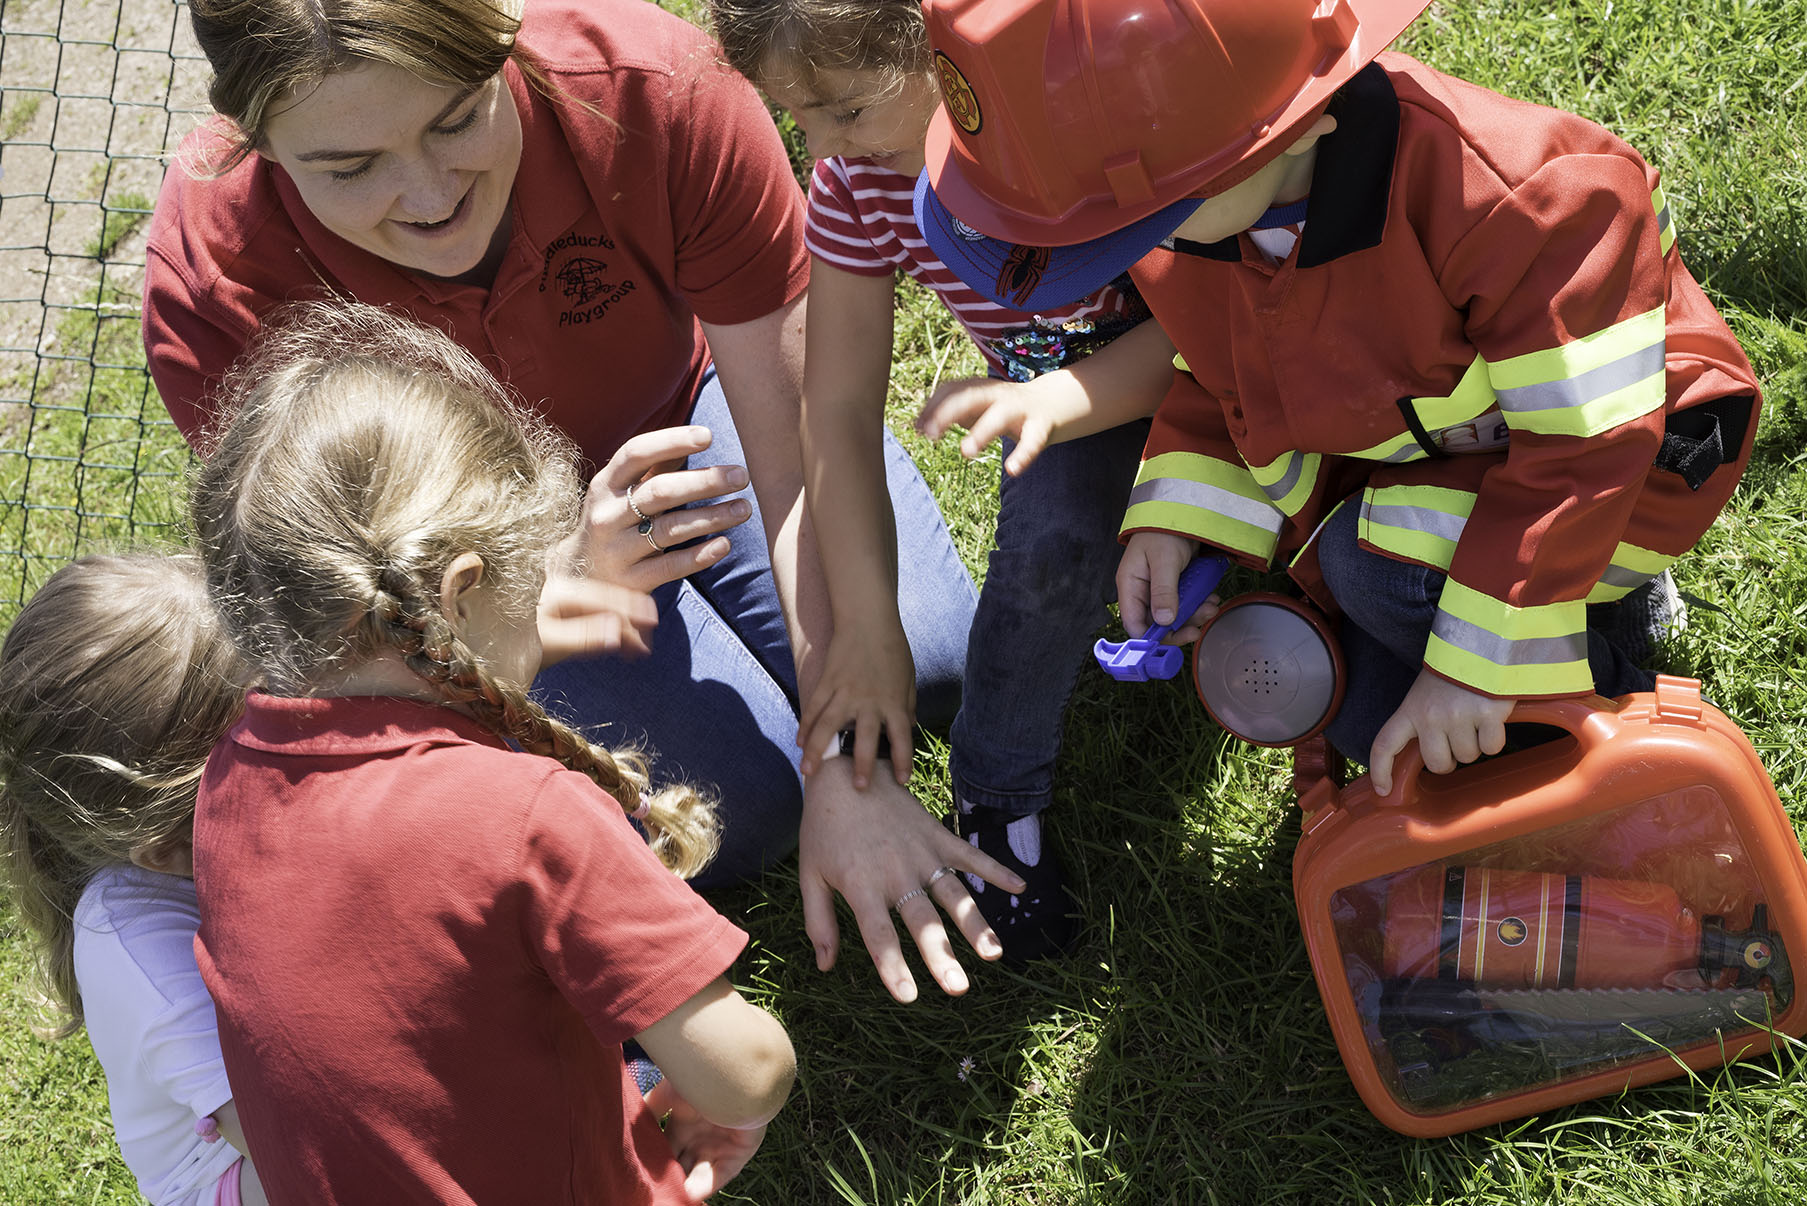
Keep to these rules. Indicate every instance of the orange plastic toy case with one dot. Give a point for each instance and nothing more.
(1557, 924)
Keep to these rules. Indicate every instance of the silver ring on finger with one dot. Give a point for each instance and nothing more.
(638, 513)
(937, 873)
(907, 897)
(646, 529)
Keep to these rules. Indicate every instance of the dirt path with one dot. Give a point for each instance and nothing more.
(92, 95)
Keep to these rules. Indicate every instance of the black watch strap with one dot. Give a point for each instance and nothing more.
(845, 737)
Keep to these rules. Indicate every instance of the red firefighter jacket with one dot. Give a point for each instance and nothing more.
(1485, 339)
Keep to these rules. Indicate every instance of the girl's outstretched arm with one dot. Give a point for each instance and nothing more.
(869, 677)
(1124, 380)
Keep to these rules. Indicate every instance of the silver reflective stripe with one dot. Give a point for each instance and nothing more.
(1502, 651)
(1214, 499)
(1630, 579)
(1276, 491)
(1415, 519)
(1408, 452)
(1578, 391)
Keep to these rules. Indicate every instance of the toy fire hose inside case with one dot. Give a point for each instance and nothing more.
(1558, 923)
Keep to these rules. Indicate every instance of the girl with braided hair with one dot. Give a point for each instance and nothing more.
(427, 947)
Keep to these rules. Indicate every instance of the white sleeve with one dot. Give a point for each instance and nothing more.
(152, 1025)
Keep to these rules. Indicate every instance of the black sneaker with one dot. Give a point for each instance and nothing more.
(1638, 623)
(1034, 923)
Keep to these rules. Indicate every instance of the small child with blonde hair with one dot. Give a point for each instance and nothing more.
(428, 947)
(115, 680)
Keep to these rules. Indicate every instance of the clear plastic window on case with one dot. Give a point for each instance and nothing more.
(1542, 958)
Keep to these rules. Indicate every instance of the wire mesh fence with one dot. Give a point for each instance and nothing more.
(94, 95)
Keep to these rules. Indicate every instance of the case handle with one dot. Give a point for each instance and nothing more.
(1590, 720)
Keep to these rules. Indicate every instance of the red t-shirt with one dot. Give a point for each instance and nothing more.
(425, 950)
(672, 201)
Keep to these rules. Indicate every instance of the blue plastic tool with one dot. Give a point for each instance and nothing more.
(1141, 658)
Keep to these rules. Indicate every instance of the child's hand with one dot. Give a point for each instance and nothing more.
(1148, 591)
(710, 1155)
(579, 616)
(990, 409)
(1452, 724)
(869, 681)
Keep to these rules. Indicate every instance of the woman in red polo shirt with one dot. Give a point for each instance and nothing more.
(585, 199)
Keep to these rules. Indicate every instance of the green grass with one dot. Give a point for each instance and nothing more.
(125, 213)
(1181, 1054)
(20, 115)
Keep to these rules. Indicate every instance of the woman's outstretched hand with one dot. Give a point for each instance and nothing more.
(881, 852)
(642, 523)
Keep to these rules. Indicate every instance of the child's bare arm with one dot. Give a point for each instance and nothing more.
(1122, 381)
(727, 1057)
(868, 678)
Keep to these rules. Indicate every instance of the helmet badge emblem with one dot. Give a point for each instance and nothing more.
(957, 95)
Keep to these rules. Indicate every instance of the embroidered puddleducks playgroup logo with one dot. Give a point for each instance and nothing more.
(583, 280)
(957, 95)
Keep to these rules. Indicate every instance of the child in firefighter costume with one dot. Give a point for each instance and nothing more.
(1438, 352)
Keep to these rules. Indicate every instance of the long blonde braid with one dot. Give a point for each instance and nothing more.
(681, 824)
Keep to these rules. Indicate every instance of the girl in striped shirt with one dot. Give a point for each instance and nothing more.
(857, 77)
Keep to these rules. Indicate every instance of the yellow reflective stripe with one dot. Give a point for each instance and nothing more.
(1420, 523)
(1631, 567)
(1665, 220)
(1207, 499)
(1588, 385)
(1472, 398)
(1289, 480)
(1509, 651)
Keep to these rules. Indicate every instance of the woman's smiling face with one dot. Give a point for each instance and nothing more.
(419, 174)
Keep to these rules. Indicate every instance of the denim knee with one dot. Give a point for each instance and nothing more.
(1393, 601)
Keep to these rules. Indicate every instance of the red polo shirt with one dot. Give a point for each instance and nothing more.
(425, 950)
(672, 201)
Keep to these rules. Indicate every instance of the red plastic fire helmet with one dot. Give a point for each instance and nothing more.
(1064, 120)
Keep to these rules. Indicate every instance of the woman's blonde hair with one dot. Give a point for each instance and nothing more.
(804, 38)
(116, 679)
(364, 453)
(264, 51)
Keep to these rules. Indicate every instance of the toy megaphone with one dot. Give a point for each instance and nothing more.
(1266, 667)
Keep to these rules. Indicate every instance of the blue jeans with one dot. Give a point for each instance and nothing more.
(716, 702)
(1388, 607)
(1047, 590)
